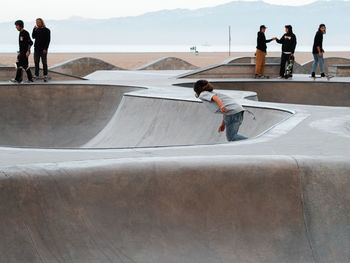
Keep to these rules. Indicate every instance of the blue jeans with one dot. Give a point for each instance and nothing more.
(318, 60)
(232, 123)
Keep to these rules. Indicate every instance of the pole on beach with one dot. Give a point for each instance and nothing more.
(229, 41)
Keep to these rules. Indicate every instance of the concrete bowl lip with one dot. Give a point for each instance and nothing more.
(246, 102)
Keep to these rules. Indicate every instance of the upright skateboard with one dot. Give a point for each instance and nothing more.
(289, 70)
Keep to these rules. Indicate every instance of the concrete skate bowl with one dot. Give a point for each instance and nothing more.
(326, 93)
(89, 116)
(168, 63)
(211, 209)
(7, 73)
(298, 68)
(83, 66)
(327, 61)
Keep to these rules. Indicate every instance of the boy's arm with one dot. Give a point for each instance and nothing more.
(219, 102)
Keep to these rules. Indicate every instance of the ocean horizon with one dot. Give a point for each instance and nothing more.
(9, 48)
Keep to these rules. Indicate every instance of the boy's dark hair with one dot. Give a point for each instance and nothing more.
(322, 25)
(19, 23)
(202, 85)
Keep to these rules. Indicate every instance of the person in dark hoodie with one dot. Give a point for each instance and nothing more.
(318, 51)
(42, 36)
(261, 52)
(289, 43)
(25, 43)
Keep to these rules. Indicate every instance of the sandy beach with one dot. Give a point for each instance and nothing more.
(134, 60)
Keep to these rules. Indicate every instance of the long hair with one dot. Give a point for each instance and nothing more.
(202, 85)
(41, 22)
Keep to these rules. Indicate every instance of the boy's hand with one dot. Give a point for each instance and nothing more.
(223, 109)
(222, 126)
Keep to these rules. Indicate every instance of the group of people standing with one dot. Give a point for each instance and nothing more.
(42, 37)
(289, 42)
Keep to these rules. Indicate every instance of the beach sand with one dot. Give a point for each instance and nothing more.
(134, 60)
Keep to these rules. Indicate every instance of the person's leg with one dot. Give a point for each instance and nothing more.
(36, 62)
(314, 65)
(321, 61)
(44, 61)
(258, 62)
(19, 68)
(263, 63)
(27, 68)
(232, 124)
(283, 64)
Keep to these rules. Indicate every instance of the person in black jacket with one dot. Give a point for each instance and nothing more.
(261, 52)
(289, 42)
(25, 43)
(318, 51)
(42, 36)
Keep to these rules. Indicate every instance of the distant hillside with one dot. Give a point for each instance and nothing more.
(206, 25)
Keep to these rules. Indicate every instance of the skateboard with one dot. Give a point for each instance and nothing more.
(289, 70)
(327, 76)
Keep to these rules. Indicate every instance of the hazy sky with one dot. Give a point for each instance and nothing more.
(59, 9)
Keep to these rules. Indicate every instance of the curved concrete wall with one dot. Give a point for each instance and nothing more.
(327, 61)
(7, 73)
(210, 209)
(55, 115)
(83, 66)
(310, 92)
(168, 63)
(298, 69)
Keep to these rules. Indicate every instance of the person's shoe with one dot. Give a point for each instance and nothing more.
(29, 81)
(46, 78)
(257, 76)
(262, 77)
(323, 75)
(280, 77)
(313, 75)
(15, 81)
(35, 77)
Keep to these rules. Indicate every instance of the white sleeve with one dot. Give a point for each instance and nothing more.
(206, 95)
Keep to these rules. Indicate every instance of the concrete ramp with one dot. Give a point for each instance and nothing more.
(163, 122)
(196, 210)
(83, 66)
(168, 63)
(327, 62)
(56, 115)
(298, 69)
(7, 73)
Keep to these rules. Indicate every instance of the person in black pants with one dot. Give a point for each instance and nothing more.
(42, 36)
(25, 43)
(289, 42)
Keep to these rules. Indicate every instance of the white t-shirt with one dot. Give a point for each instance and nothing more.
(232, 107)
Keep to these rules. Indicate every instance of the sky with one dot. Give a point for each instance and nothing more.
(62, 9)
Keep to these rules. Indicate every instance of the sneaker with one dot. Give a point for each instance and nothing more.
(323, 75)
(257, 76)
(35, 77)
(313, 75)
(46, 78)
(15, 81)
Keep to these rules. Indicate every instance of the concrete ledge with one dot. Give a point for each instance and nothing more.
(339, 70)
(239, 70)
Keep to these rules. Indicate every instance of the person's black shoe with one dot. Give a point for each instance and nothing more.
(313, 75)
(323, 75)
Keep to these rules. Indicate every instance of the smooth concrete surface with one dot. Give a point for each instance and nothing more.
(327, 62)
(83, 66)
(284, 91)
(168, 63)
(242, 70)
(339, 70)
(281, 196)
(298, 69)
(7, 73)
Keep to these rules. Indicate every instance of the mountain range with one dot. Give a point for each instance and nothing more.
(204, 25)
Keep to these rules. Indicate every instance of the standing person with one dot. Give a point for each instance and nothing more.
(42, 36)
(25, 43)
(221, 103)
(318, 51)
(289, 42)
(261, 52)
